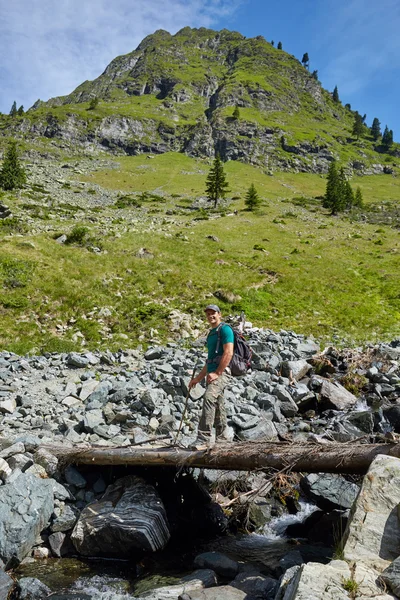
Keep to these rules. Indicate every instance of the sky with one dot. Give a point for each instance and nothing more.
(49, 47)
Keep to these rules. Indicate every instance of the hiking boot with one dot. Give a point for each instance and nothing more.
(201, 445)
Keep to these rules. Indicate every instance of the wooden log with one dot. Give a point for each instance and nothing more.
(242, 456)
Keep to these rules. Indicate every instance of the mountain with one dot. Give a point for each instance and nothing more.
(179, 92)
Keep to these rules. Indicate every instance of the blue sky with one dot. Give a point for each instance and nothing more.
(48, 47)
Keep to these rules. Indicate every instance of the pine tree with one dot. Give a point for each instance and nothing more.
(236, 113)
(216, 184)
(305, 60)
(12, 174)
(376, 129)
(279, 46)
(358, 125)
(21, 111)
(272, 43)
(314, 75)
(252, 199)
(348, 106)
(358, 199)
(387, 138)
(333, 198)
(335, 95)
(13, 110)
(346, 191)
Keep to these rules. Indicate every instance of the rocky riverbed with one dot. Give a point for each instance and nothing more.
(295, 392)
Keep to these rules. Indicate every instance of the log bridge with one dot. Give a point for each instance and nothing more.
(330, 457)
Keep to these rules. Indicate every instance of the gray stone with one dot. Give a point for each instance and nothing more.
(65, 521)
(296, 368)
(391, 576)
(76, 360)
(244, 422)
(56, 543)
(332, 394)
(256, 586)
(330, 491)
(129, 516)
(73, 477)
(315, 581)
(221, 564)
(30, 588)
(6, 585)
(222, 592)
(196, 581)
(373, 530)
(25, 509)
(46, 460)
(154, 353)
(265, 430)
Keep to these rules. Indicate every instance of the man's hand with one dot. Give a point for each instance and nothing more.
(193, 382)
(212, 377)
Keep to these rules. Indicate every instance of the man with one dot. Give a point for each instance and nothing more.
(220, 342)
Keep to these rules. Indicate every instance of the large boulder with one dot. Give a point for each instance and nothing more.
(330, 491)
(319, 582)
(332, 394)
(195, 582)
(373, 531)
(130, 516)
(26, 505)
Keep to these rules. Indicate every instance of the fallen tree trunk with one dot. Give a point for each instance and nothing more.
(242, 456)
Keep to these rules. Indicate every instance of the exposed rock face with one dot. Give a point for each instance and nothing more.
(130, 516)
(26, 505)
(373, 530)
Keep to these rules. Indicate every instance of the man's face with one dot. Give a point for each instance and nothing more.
(213, 317)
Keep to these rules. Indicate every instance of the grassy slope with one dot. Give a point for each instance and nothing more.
(313, 273)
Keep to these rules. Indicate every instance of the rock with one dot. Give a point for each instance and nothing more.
(56, 543)
(130, 516)
(8, 406)
(221, 564)
(76, 360)
(332, 394)
(25, 509)
(256, 586)
(65, 521)
(391, 576)
(329, 491)
(314, 581)
(222, 592)
(196, 581)
(6, 585)
(296, 368)
(73, 477)
(30, 588)
(5, 470)
(46, 460)
(285, 580)
(265, 430)
(154, 353)
(373, 530)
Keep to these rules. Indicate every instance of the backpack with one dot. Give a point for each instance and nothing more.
(242, 353)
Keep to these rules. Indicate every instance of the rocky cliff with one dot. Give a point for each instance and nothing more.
(178, 93)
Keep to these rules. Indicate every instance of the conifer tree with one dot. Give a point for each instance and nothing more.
(236, 113)
(387, 138)
(376, 129)
(279, 46)
(216, 184)
(305, 60)
(358, 199)
(252, 199)
(346, 191)
(13, 110)
(335, 95)
(272, 43)
(358, 125)
(314, 75)
(21, 111)
(333, 198)
(12, 174)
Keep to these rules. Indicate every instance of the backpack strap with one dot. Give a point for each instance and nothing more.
(212, 360)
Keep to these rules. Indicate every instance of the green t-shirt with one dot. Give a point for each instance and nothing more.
(227, 337)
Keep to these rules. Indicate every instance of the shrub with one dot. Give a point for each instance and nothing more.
(77, 235)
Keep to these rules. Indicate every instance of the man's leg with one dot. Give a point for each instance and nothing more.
(220, 411)
(213, 391)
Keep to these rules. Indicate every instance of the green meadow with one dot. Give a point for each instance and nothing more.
(290, 265)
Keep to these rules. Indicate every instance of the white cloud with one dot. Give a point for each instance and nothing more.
(361, 40)
(48, 47)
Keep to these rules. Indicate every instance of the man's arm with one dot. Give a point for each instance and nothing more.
(223, 363)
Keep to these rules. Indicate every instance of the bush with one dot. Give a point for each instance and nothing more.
(77, 235)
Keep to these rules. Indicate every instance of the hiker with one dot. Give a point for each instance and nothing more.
(220, 343)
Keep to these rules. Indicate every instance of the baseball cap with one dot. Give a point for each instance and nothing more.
(213, 307)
